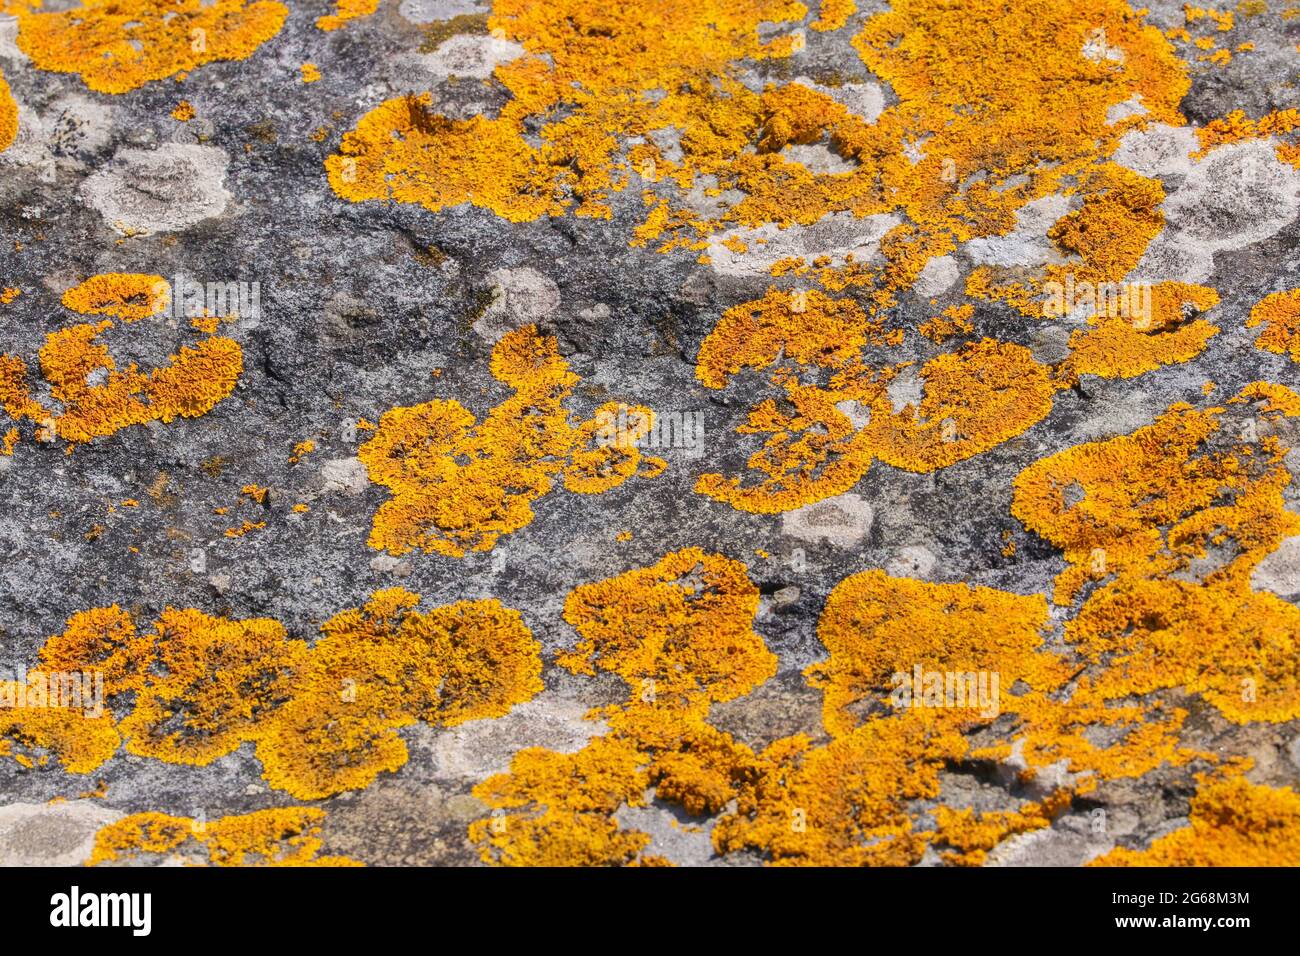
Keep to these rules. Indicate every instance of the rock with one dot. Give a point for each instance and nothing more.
(51, 834)
(344, 475)
(841, 521)
(161, 190)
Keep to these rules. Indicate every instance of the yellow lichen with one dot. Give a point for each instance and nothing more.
(8, 115)
(833, 14)
(323, 718)
(954, 322)
(679, 635)
(459, 484)
(126, 296)
(37, 730)
(119, 45)
(1170, 522)
(385, 666)
(1232, 823)
(345, 10)
(973, 399)
(223, 678)
(1124, 346)
(193, 382)
(1279, 313)
(286, 836)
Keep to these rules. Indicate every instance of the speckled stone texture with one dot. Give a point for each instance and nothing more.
(368, 306)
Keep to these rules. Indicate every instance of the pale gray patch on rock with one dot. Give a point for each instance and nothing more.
(864, 100)
(388, 564)
(1123, 414)
(1050, 344)
(470, 55)
(1279, 572)
(842, 521)
(345, 475)
(1097, 48)
(519, 297)
(906, 389)
(9, 40)
(858, 414)
(1122, 111)
(51, 834)
(682, 844)
(1158, 150)
(818, 158)
(834, 236)
(435, 11)
(668, 140)
(65, 133)
(162, 190)
(914, 561)
(1027, 244)
(939, 275)
(1048, 847)
(477, 749)
(1239, 194)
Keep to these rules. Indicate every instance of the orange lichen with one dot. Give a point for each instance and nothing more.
(119, 45)
(1119, 345)
(286, 836)
(103, 640)
(8, 115)
(875, 626)
(9, 293)
(301, 450)
(323, 718)
(833, 14)
(183, 112)
(973, 400)
(385, 666)
(222, 680)
(1232, 823)
(679, 635)
(682, 625)
(1236, 127)
(853, 800)
(310, 72)
(585, 96)
(189, 386)
(1279, 313)
(126, 296)
(1171, 521)
(460, 484)
(815, 450)
(255, 493)
(954, 322)
(345, 10)
(594, 65)
(36, 731)
(1151, 503)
